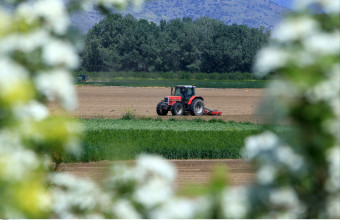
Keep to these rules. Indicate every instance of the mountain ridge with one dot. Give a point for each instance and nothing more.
(266, 13)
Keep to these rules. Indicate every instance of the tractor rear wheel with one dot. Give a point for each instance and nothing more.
(160, 110)
(197, 107)
(177, 109)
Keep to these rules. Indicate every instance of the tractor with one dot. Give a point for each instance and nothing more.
(183, 99)
(82, 78)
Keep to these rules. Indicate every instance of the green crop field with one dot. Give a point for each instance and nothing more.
(118, 139)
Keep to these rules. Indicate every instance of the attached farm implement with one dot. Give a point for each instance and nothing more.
(183, 100)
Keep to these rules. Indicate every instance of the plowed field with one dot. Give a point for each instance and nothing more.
(188, 171)
(239, 105)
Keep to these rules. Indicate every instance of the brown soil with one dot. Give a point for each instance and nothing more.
(238, 105)
(188, 171)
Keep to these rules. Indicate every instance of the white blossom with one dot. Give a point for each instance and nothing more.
(53, 13)
(25, 42)
(76, 197)
(330, 6)
(334, 78)
(151, 180)
(17, 164)
(176, 208)
(5, 21)
(295, 28)
(15, 161)
(11, 73)
(123, 209)
(138, 4)
(286, 197)
(266, 174)
(86, 5)
(57, 53)
(323, 43)
(256, 144)
(155, 191)
(333, 206)
(270, 58)
(286, 156)
(302, 58)
(334, 72)
(33, 110)
(283, 196)
(156, 165)
(121, 175)
(57, 84)
(25, 11)
(12, 77)
(269, 150)
(322, 91)
(235, 202)
(328, 91)
(333, 157)
(333, 127)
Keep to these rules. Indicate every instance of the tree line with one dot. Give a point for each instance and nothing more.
(123, 43)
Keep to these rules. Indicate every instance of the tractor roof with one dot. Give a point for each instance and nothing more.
(185, 86)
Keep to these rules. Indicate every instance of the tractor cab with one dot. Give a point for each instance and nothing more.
(183, 99)
(185, 92)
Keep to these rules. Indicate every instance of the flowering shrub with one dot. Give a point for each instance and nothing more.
(34, 65)
(297, 177)
(36, 57)
(298, 174)
(145, 190)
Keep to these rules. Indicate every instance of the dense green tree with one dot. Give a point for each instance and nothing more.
(123, 43)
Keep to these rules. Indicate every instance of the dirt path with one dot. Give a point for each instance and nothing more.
(188, 171)
(111, 102)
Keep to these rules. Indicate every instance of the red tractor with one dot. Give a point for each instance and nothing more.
(182, 100)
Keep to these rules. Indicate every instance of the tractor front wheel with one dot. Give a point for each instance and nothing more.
(177, 109)
(197, 107)
(160, 110)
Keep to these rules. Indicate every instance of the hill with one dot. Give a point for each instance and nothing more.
(285, 3)
(253, 13)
